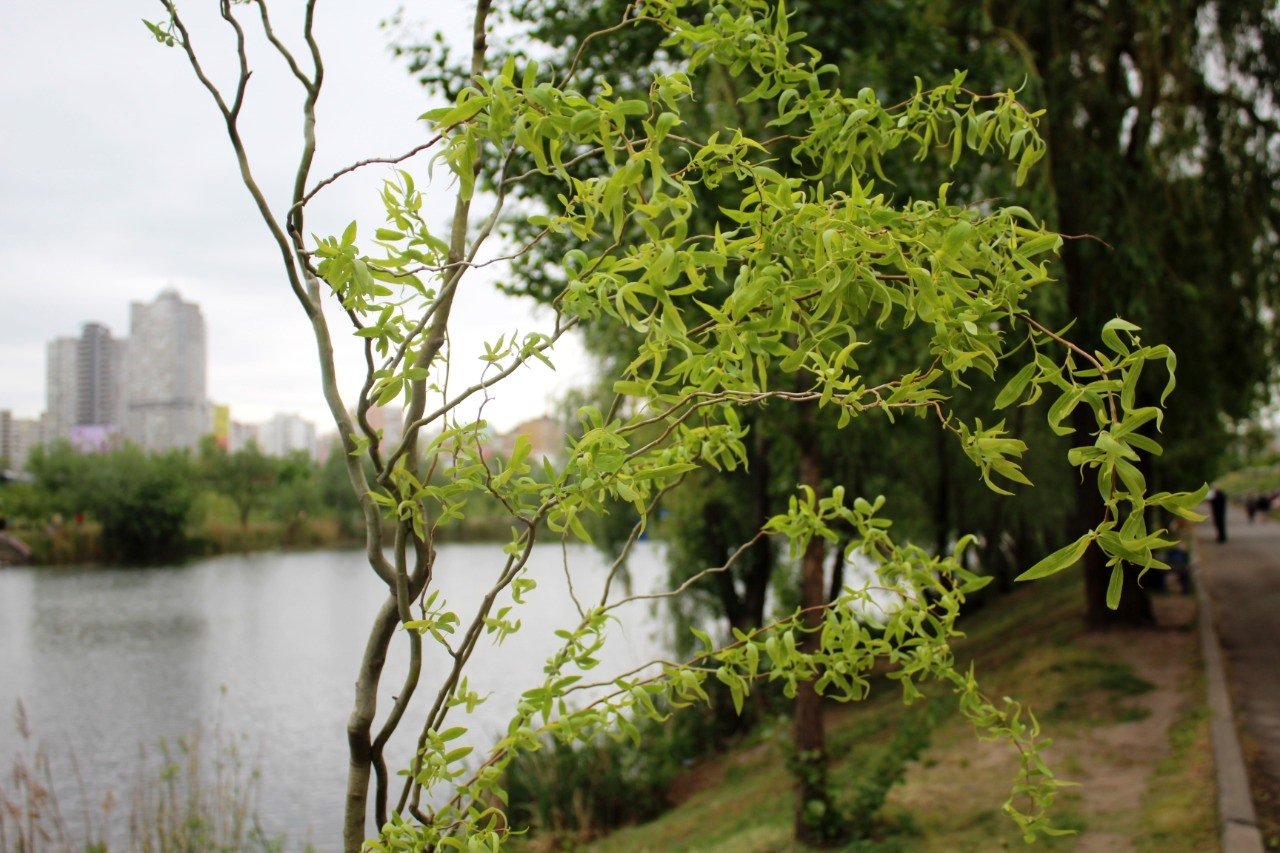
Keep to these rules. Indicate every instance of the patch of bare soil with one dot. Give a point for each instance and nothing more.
(710, 773)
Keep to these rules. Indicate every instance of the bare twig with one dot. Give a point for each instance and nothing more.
(346, 170)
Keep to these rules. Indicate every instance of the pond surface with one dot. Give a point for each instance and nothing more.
(264, 648)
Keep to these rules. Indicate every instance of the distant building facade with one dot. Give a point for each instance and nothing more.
(18, 437)
(83, 383)
(545, 436)
(241, 435)
(60, 388)
(166, 375)
(285, 434)
(99, 367)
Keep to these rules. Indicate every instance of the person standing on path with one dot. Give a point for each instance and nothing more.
(1218, 505)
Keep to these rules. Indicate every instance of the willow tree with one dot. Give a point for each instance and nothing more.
(808, 263)
(883, 46)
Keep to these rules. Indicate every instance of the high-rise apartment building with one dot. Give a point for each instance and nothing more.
(98, 369)
(165, 374)
(61, 388)
(83, 382)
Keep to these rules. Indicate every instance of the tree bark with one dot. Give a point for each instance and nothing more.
(808, 731)
(760, 559)
(359, 740)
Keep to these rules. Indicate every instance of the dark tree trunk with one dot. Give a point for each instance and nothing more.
(1091, 298)
(942, 498)
(759, 560)
(837, 569)
(808, 730)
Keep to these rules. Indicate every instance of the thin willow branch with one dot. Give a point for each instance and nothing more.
(567, 164)
(242, 81)
(568, 577)
(520, 361)
(346, 170)
(519, 253)
(656, 596)
(280, 47)
(499, 754)
(1073, 347)
(626, 22)
(440, 708)
(438, 312)
(633, 537)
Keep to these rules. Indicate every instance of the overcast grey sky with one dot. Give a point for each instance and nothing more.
(116, 181)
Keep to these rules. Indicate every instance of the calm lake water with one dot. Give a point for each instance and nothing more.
(264, 647)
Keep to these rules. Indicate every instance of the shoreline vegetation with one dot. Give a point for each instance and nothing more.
(78, 544)
(127, 507)
(198, 792)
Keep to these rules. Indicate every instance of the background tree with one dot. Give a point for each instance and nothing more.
(142, 500)
(244, 476)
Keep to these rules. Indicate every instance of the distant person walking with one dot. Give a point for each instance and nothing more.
(1218, 506)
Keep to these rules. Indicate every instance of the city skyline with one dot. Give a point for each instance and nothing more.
(118, 183)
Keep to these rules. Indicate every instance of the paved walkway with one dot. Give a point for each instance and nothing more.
(1242, 577)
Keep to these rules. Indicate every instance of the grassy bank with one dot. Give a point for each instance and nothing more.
(1125, 711)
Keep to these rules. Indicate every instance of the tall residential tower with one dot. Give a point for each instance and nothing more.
(83, 383)
(165, 374)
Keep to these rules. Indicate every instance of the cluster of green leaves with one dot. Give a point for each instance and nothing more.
(1107, 384)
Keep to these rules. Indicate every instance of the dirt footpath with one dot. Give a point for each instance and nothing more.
(1243, 580)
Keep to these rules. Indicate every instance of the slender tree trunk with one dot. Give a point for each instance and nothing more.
(760, 559)
(837, 569)
(359, 739)
(809, 737)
